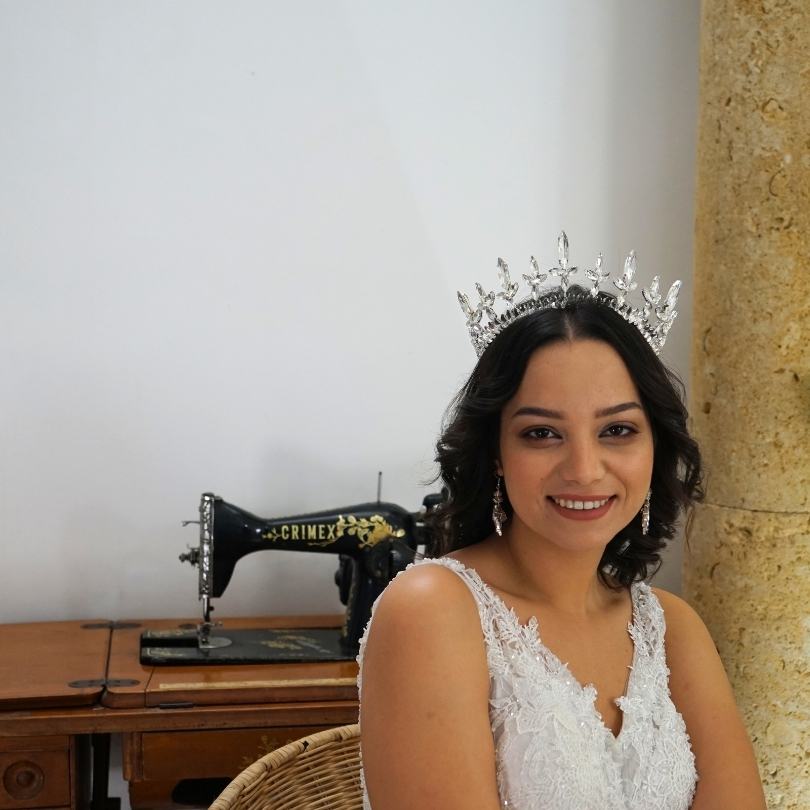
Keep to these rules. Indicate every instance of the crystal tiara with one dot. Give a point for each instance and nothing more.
(653, 320)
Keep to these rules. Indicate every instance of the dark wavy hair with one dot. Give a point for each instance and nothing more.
(469, 442)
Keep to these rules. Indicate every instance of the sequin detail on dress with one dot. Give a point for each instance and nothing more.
(553, 751)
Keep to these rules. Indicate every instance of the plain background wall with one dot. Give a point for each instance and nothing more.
(231, 234)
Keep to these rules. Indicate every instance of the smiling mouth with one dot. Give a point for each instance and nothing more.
(581, 505)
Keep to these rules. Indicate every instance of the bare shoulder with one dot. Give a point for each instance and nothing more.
(429, 579)
(427, 595)
(426, 736)
(427, 620)
(692, 657)
(701, 692)
(681, 610)
(684, 625)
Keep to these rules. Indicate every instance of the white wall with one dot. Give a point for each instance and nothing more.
(230, 239)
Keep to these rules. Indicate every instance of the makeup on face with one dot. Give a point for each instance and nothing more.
(576, 447)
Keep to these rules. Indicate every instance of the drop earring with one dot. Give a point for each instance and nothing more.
(498, 515)
(645, 513)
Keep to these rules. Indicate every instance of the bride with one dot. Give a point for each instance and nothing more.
(528, 664)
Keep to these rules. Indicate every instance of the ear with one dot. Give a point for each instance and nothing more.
(498, 467)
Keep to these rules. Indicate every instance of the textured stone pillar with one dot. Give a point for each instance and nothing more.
(747, 568)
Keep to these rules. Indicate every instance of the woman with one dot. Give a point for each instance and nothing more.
(528, 665)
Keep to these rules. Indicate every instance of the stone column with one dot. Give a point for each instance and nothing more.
(747, 564)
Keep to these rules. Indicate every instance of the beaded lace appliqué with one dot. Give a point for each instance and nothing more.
(552, 747)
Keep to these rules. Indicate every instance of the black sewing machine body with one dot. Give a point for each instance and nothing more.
(373, 541)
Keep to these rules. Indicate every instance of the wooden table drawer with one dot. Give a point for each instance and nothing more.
(205, 754)
(33, 777)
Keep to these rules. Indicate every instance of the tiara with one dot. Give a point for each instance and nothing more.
(654, 319)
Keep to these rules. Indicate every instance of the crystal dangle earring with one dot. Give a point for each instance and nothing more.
(645, 513)
(498, 515)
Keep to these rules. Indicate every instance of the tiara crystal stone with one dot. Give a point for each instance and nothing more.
(597, 276)
(535, 279)
(563, 269)
(510, 287)
(654, 319)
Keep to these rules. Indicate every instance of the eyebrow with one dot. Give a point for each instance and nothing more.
(549, 414)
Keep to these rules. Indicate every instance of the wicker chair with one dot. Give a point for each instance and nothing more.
(319, 772)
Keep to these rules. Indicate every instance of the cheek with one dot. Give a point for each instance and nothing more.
(647, 456)
(638, 468)
(524, 472)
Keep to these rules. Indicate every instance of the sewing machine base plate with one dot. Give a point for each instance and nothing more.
(254, 646)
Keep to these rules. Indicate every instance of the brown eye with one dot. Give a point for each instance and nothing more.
(620, 431)
(539, 433)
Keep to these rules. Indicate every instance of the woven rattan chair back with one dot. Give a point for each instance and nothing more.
(319, 772)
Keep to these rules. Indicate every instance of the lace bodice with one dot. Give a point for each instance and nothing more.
(553, 751)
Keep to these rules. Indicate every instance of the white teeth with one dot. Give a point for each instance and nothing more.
(580, 504)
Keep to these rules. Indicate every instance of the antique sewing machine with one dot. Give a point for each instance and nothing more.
(373, 542)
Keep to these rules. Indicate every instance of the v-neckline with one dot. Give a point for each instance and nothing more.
(531, 629)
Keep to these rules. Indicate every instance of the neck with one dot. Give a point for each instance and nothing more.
(565, 580)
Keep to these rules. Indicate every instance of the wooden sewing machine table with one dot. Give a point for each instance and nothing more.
(186, 730)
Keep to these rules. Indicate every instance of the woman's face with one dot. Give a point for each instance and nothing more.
(576, 448)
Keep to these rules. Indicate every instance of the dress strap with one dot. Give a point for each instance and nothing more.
(648, 626)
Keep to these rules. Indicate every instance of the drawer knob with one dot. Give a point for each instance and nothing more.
(23, 780)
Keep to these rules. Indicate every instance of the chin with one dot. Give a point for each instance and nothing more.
(573, 541)
(576, 540)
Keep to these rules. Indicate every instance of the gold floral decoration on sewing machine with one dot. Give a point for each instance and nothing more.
(370, 531)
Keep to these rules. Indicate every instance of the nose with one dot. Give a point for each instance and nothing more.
(583, 463)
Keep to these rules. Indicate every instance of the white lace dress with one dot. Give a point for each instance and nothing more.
(553, 751)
